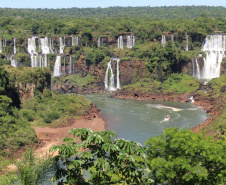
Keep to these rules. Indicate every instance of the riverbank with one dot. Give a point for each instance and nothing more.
(48, 137)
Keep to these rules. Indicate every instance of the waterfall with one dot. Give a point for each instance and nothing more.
(51, 45)
(163, 41)
(214, 47)
(62, 44)
(44, 45)
(13, 61)
(198, 75)
(186, 43)
(0, 46)
(118, 81)
(32, 51)
(172, 40)
(98, 42)
(75, 41)
(130, 41)
(111, 85)
(57, 67)
(31, 46)
(70, 68)
(120, 42)
(193, 68)
(45, 61)
(14, 47)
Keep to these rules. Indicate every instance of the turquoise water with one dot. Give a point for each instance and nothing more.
(140, 120)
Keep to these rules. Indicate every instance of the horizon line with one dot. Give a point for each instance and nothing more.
(98, 7)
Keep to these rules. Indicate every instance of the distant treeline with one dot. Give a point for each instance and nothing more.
(188, 12)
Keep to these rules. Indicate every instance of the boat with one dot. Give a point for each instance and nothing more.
(167, 118)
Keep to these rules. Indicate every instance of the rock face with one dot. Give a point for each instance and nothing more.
(131, 71)
(138, 95)
(223, 67)
(26, 91)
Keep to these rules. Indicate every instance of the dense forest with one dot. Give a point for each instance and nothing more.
(187, 12)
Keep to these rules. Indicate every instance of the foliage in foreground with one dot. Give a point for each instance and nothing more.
(175, 157)
(182, 157)
(108, 161)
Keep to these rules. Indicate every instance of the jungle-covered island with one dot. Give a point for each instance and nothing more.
(59, 66)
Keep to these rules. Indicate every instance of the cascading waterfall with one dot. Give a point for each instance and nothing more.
(57, 67)
(186, 43)
(75, 41)
(214, 46)
(51, 45)
(14, 47)
(111, 85)
(163, 41)
(172, 40)
(32, 51)
(44, 45)
(62, 44)
(118, 80)
(198, 74)
(70, 65)
(120, 42)
(130, 41)
(110, 82)
(0, 46)
(98, 42)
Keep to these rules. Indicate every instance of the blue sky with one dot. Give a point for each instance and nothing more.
(104, 3)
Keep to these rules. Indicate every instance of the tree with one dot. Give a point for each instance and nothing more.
(183, 157)
(108, 161)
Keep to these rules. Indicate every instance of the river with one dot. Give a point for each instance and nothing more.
(140, 120)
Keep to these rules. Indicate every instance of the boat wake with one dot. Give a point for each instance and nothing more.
(160, 106)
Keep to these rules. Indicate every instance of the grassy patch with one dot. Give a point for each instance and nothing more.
(49, 108)
(176, 83)
(76, 79)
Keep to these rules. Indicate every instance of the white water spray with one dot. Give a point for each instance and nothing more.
(57, 67)
(111, 85)
(130, 41)
(62, 44)
(75, 41)
(214, 46)
(14, 47)
(186, 43)
(163, 41)
(98, 42)
(120, 42)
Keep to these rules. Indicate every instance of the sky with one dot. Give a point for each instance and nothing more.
(104, 3)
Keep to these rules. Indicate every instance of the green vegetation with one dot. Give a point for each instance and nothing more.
(50, 107)
(15, 132)
(175, 84)
(182, 157)
(175, 157)
(39, 77)
(216, 89)
(125, 12)
(76, 80)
